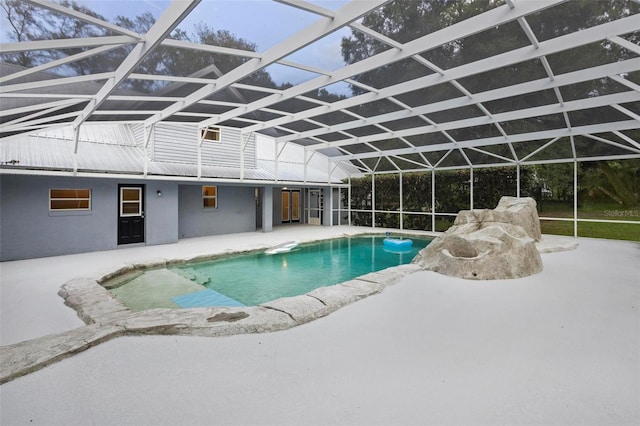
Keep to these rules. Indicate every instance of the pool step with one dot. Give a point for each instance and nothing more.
(205, 298)
(193, 275)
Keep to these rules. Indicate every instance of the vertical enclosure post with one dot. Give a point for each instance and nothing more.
(518, 179)
(373, 200)
(275, 159)
(349, 201)
(200, 142)
(433, 200)
(76, 141)
(575, 198)
(471, 188)
(267, 209)
(401, 206)
(339, 206)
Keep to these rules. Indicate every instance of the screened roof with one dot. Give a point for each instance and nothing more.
(420, 85)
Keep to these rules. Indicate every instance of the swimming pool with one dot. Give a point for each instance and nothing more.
(254, 278)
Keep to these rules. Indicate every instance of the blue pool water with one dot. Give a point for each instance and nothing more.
(252, 279)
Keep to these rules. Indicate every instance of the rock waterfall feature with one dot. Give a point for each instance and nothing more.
(488, 244)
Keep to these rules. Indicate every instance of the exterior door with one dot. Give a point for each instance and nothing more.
(315, 207)
(130, 214)
(286, 206)
(295, 206)
(290, 205)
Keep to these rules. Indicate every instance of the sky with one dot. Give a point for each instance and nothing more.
(262, 22)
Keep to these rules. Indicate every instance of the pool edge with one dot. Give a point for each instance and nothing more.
(107, 318)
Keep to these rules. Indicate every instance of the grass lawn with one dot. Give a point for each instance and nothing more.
(592, 210)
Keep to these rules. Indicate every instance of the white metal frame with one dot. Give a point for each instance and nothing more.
(53, 109)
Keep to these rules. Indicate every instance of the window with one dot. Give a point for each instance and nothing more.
(210, 134)
(69, 199)
(130, 201)
(210, 197)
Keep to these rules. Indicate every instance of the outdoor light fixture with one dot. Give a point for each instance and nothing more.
(159, 193)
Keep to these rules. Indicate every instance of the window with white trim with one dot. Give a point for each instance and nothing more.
(210, 197)
(69, 199)
(130, 201)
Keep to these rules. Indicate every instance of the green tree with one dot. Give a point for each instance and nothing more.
(618, 181)
(29, 23)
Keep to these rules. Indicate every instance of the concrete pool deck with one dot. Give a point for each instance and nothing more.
(559, 347)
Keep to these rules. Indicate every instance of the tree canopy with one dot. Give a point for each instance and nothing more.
(29, 22)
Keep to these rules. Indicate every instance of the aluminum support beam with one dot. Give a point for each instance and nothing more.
(55, 7)
(25, 46)
(58, 62)
(323, 27)
(491, 95)
(515, 138)
(172, 16)
(595, 102)
(490, 19)
(519, 55)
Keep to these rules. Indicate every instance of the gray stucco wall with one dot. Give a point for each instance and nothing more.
(28, 229)
(277, 206)
(236, 211)
(161, 213)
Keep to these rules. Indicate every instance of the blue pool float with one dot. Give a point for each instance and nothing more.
(397, 243)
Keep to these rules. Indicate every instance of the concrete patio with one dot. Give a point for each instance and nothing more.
(560, 347)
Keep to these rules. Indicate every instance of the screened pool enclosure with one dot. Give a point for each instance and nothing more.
(418, 108)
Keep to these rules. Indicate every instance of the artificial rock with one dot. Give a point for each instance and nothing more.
(488, 244)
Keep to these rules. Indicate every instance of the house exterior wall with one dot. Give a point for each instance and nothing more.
(236, 211)
(29, 229)
(179, 143)
(161, 213)
(277, 206)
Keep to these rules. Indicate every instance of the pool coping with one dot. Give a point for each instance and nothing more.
(107, 318)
